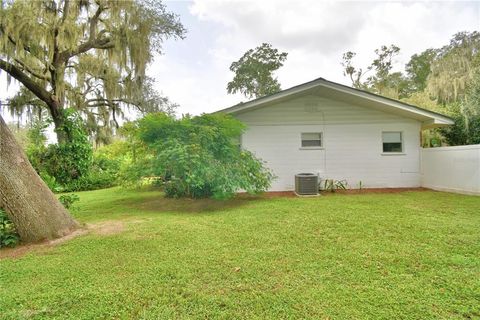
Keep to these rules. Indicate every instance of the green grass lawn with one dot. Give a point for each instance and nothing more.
(411, 255)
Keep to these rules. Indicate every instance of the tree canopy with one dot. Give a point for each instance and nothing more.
(445, 79)
(254, 72)
(378, 76)
(453, 67)
(85, 54)
(195, 156)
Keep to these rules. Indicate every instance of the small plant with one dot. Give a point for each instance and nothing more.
(68, 200)
(8, 234)
(332, 185)
(51, 182)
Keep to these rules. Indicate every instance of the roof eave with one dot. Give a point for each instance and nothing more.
(436, 123)
(435, 119)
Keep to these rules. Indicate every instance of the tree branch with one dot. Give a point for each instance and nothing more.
(31, 85)
(33, 73)
(94, 41)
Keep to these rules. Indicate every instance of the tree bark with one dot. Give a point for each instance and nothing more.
(29, 203)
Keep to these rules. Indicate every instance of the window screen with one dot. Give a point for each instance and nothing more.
(392, 141)
(312, 139)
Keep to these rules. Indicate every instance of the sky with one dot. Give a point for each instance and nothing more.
(194, 72)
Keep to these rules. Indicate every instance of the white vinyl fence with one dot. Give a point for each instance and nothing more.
(453, 169)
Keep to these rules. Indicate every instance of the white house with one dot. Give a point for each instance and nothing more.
(337, 132)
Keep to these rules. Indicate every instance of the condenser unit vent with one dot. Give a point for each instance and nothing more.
(306, 184)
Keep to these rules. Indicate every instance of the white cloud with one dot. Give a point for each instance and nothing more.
(316, 33)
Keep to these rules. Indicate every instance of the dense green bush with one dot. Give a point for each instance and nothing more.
(466, 129)
(197, 156)
(92, 181)
(8, 234)
(102, 174)
(72, 160)
(67, 161)
(72, 166)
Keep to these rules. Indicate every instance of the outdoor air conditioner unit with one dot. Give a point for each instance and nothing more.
(306, 184)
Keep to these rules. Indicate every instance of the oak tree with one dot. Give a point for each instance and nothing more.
(254, 72)
(87, 54)
(29, 203)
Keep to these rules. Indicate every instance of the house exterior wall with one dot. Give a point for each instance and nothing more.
(453, 169)
(352, 143)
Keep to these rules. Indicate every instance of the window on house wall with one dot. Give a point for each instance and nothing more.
(311, 139)
(392, 141)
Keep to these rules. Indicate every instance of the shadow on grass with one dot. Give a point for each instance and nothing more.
(186, 205)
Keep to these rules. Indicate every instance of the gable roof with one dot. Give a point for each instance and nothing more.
(348, 94)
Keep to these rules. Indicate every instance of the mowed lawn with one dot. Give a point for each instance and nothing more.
(410, 255)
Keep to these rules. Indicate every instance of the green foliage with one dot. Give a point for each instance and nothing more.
(445, 80)
(383, 81)
(454, 67)
(254, 72)
(198, 156)
(8, 234)
(65, 163)
(25, 104)
(466, 129)
(51, 182)
(103, 173)
(419, 67)
(67, 200)
(466, 115)
(72, 160)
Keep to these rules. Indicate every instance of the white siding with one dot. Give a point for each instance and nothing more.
(352, 140)
(313, 110)
(454, 169)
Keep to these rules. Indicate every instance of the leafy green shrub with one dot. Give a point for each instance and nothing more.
(51, 182)
(8, 234)
(67, 200)
(103, 173)
(465, 130)
(70, 166)
(196, 156)
(93, 181)
(72, 160)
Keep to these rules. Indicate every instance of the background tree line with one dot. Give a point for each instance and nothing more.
(445, 80)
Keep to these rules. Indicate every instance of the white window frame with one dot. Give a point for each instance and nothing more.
(320, 147)
(402, 141)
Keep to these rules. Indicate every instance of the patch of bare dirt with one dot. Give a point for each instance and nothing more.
(269, 194)
(106, 228)
(103, 228)
(280, 194)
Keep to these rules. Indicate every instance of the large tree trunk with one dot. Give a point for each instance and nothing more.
(29, 203)
(58, 117)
